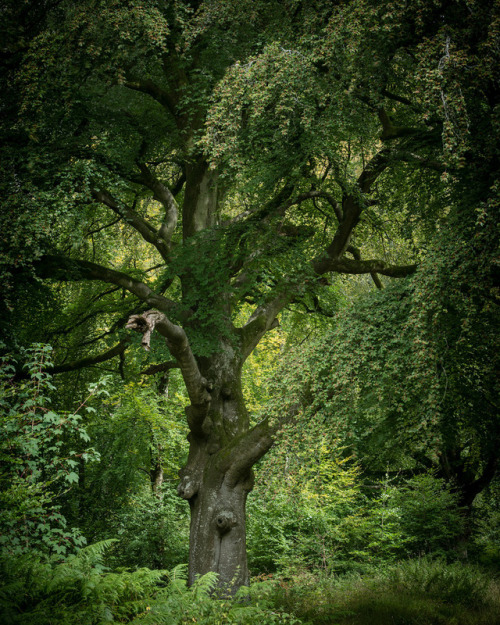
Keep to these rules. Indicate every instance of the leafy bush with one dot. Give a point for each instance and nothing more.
(41, 454)
(431, 518)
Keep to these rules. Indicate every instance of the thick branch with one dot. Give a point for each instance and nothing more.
(150, 88)
(66, 269)
(472, 490)
(247, 450)
(262, 320)
(140, 224)
(357, 256)
(162, 194)
(373, 169)
(178, 344)
(401, 99)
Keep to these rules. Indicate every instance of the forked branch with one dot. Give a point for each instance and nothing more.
(162, 194)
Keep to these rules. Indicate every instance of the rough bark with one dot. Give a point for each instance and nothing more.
(223, 449)
(215, 481)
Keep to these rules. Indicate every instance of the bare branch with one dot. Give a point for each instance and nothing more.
(246, 450)
(262, 212)
(310, 195)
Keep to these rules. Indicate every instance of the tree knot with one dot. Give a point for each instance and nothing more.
(186, 488)
(224, 521)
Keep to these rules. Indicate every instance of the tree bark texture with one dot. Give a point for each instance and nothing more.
(212, 481)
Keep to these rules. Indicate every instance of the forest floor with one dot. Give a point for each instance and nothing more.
(409, 594)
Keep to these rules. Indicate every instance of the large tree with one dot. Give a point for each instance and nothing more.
(255, 151)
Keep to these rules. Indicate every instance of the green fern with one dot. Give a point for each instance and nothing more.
(82, 590)
(78, 590)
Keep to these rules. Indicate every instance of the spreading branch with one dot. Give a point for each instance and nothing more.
(66, 269)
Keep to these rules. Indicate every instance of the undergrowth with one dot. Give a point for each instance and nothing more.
(81, 590)
(417, 592)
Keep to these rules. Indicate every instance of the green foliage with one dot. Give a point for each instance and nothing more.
(153, 530)
(283, 99)
(418, 592)
(177, 605)
(412, 517)
(449, 583)
(313, 511)
(137, 431)
(79, 589)
(39, 461)
(304, 512)
(82, 589)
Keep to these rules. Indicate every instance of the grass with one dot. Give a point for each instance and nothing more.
(419, 592)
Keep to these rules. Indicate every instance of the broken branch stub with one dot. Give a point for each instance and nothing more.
(145, 325)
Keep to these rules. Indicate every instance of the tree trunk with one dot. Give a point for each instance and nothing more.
(215, 481)
(218, 531)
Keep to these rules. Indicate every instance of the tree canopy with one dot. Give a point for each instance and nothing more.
(194, 171)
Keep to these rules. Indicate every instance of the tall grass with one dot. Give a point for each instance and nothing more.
(418, 592)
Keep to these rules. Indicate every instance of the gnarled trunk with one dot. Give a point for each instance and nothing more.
(218, 477)
(218, 531)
